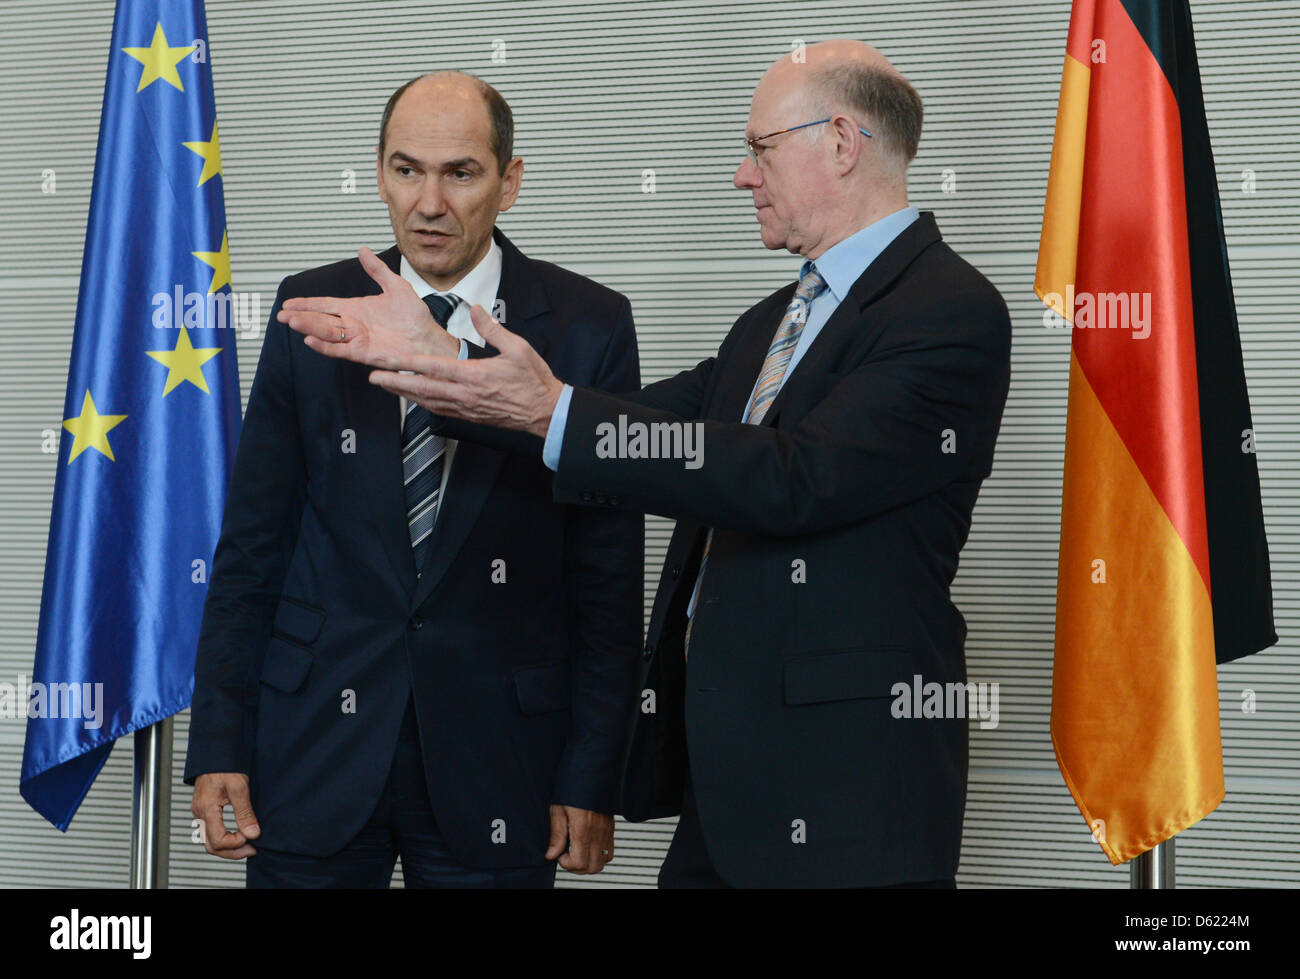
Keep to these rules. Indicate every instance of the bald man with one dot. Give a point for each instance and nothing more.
(822, 467)
(408, 650)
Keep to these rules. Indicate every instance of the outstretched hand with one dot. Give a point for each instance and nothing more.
(514, 389)
(372, 330)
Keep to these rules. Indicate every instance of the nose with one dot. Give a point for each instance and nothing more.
(747, 175)
(431, 202)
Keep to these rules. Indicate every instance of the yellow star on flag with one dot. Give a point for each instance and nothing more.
(220, 263)
(159, 61)
(90, 430)
(185, 363)
(211, 153)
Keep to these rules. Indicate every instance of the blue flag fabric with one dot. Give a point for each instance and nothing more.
(150, 418)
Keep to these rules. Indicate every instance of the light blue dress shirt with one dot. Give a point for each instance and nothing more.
(841, 266)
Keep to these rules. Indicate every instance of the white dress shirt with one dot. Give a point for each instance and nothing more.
(478, 287)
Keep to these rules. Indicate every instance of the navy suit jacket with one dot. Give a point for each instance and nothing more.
(519, 641)
(838, 522)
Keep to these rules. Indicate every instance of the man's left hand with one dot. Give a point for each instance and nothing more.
(375, 330)
(589, 835)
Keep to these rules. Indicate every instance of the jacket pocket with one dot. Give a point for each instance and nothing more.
(850, 674)
(540, 689)
(295, 628)
(297, 621)
(286, 665)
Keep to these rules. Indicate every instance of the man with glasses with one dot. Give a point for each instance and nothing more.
(847, 422)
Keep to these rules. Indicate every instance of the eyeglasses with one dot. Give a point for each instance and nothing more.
(751, 143)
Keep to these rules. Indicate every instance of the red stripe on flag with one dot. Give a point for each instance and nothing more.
(1133, 240)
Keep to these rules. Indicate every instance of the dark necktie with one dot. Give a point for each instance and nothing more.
(422, 457)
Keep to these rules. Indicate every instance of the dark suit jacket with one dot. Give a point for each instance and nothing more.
(860, 481)
(519, 640)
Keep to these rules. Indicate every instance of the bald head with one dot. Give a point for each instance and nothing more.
(854, 77)
(459, 87)
(828, 53)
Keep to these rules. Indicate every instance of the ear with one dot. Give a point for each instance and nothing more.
(849, 144)
(379, 176)
(510, 182)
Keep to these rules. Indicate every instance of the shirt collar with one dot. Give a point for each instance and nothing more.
(843, 263)
(478, 287)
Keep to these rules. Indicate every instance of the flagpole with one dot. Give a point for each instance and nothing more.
(151, 808)
(1154, 869)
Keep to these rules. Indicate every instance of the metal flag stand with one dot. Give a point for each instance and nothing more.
(151, 805)
(1154, 869)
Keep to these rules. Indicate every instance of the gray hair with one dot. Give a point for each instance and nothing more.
(885, 101)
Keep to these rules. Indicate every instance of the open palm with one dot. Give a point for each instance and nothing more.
(376, 330)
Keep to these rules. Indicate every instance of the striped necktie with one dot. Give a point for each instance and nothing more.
(422, 457)
(770, 378)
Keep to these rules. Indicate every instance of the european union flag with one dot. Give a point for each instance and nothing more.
(150, 418)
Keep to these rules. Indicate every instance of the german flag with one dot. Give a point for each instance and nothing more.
(1163, 568)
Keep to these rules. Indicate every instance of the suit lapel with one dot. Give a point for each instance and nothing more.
(522, 302)
(844, 322)
(376, 412)
(737, 384)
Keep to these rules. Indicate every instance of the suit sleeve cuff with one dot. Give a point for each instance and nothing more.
(555, 433)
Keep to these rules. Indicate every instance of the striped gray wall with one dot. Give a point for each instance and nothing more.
(601, 93)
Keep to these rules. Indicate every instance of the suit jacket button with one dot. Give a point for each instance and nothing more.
(677, 570)
(586, 496)
(416, 623)
(600, 498)
(647, 652)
